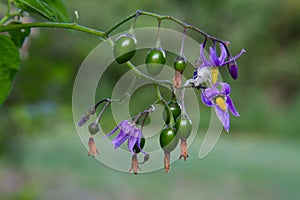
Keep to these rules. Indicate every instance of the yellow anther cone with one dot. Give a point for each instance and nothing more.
(221, 103)
(214, 74)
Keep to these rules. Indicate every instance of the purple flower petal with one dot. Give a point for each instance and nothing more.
(223, 55)
(138, 143)
(126, 126)
(118, 144)
(231, 107)
(120, 135)
(205, 61)
(112, 132)
(131, 143)
(223, 117)
(120, 139)
(82, 121)
(225, 88)
(213, 57)
(212, 92)
(235, 57)
(134, 138)
(206, 101)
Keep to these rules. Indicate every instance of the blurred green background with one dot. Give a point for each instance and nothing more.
(41, 156)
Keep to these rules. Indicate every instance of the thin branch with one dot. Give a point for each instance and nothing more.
(72, 26)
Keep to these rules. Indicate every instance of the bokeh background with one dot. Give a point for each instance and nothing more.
(41, 156)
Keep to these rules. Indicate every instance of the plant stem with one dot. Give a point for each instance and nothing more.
(146, 113)
(182, 43)
(72, 26)
(177, 21)
(163, 101)
(105, 35)
(157, 45)
(102, 34)
(182, 94)
(140, 74)
(102, 111)
(7, 14)
(3, 20)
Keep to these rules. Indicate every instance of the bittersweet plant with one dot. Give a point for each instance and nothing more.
(178, 125)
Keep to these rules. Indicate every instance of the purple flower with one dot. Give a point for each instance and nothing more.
(214, 60)
(208, 68)
(218, 97)
(128, 131)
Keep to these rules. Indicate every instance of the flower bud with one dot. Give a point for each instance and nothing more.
(233, 69)
(82, 120)
(146, 157)
(94, 128)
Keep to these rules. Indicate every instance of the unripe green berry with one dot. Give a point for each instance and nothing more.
(183, 127)
(180, 63)
(155, 60)
(167, 139)
(94, 128)
(124, 48)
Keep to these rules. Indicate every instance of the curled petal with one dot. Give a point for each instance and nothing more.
(131, 142)
(223, 117)
(235, 57)
(231, 107)
(214, 60)
(225, 88)
(206, 101)
(133, 139)
(120, 142)
(120, 139)
(223, 54)
(205, 61)
(112, 132)
(138, 143)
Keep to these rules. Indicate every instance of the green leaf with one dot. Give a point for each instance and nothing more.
(60, 10)
(53, 10)
(18, 36)
(9, 65)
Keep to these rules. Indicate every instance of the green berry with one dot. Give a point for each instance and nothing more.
(175, 109)
(183, 127)
(124, 48)
(180, 63)
(168, 140)
(155, 60)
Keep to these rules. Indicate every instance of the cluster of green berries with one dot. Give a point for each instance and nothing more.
(125, 47)
(180, 126)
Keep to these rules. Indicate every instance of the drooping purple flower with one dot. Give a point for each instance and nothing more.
(214, 60)
(208, 67)
(128, 131)
(218, 97)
